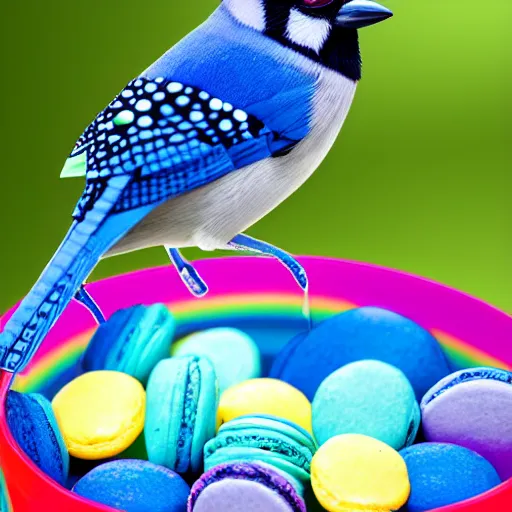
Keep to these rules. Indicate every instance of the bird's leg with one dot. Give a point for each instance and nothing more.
(188, 273)
(246, 243)
(83, 296)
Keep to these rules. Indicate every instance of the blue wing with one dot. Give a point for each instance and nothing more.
(171, 138)
(157, 140)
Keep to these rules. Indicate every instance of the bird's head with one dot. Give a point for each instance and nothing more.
(324, 30)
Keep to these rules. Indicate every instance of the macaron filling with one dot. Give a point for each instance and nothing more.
(414, 425)
(188, 419)
(467, 376)
(262, 442)
(275, 424)
(252, 472)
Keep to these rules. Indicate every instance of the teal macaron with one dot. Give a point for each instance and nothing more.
(132, 341)
(370, 398)
(233, 353)
(272, 441)
(181, 407)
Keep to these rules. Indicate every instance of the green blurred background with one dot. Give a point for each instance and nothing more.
(419, 180)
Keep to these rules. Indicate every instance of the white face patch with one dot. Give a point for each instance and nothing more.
(307, 31)
(248, 12)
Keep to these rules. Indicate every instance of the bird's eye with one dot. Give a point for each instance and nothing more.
(317, 3)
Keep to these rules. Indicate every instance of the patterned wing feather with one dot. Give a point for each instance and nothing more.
(170, 138)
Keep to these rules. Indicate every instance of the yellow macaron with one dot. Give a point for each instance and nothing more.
(356, 472)
(100, 413)
(265, 396)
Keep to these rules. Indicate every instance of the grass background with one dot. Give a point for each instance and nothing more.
(420, 179)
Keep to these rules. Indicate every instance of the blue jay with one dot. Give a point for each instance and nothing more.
(204, 143)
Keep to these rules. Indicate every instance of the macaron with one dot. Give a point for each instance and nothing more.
(278, 443)
(443, 474)
(364, 333)
(473, 408)
(265, 396)
(131, 341)
(182, 397)
(234, 354)
(100, 414)
(281, 359)
(135, 486)
(356, 472)
(367, 397)
(33, 425)
(244, 486)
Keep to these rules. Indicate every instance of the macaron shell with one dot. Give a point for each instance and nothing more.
(135, 486)
(132, 341)
(242, 497)
(164, 412)
(100, 414)
(281, 359)
(180, 417)
(105, 343)
(205, 421)
(479, 373)
(222, 346)
(365, 333)
(476, 414)
(46, 406)
(355, 472)
(265, 396)
(444, 474)
(367, 397)
(156, 331)
(237, 495)
(33, 426)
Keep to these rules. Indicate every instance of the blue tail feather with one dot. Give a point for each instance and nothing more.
(83, 246)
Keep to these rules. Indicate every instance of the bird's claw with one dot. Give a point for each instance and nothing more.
(188, 273)
(246, 243)
(83, 296)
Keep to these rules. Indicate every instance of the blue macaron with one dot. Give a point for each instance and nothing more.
(281, 359)
(181, 407)
(364, 333)
(32, 423)
(135, 486)
(367, 397)
(233, 353)
(132, 341)
(443, 474)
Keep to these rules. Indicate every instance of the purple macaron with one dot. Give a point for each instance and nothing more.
(244, 486)
(473, 408)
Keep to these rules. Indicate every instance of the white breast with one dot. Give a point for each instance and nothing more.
(212, 215)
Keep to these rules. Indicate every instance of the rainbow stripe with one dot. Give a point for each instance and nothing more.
(233, 307)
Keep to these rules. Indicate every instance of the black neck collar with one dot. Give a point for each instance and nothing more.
(340, 52)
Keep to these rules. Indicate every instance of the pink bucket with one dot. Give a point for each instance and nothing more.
(259, 296)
